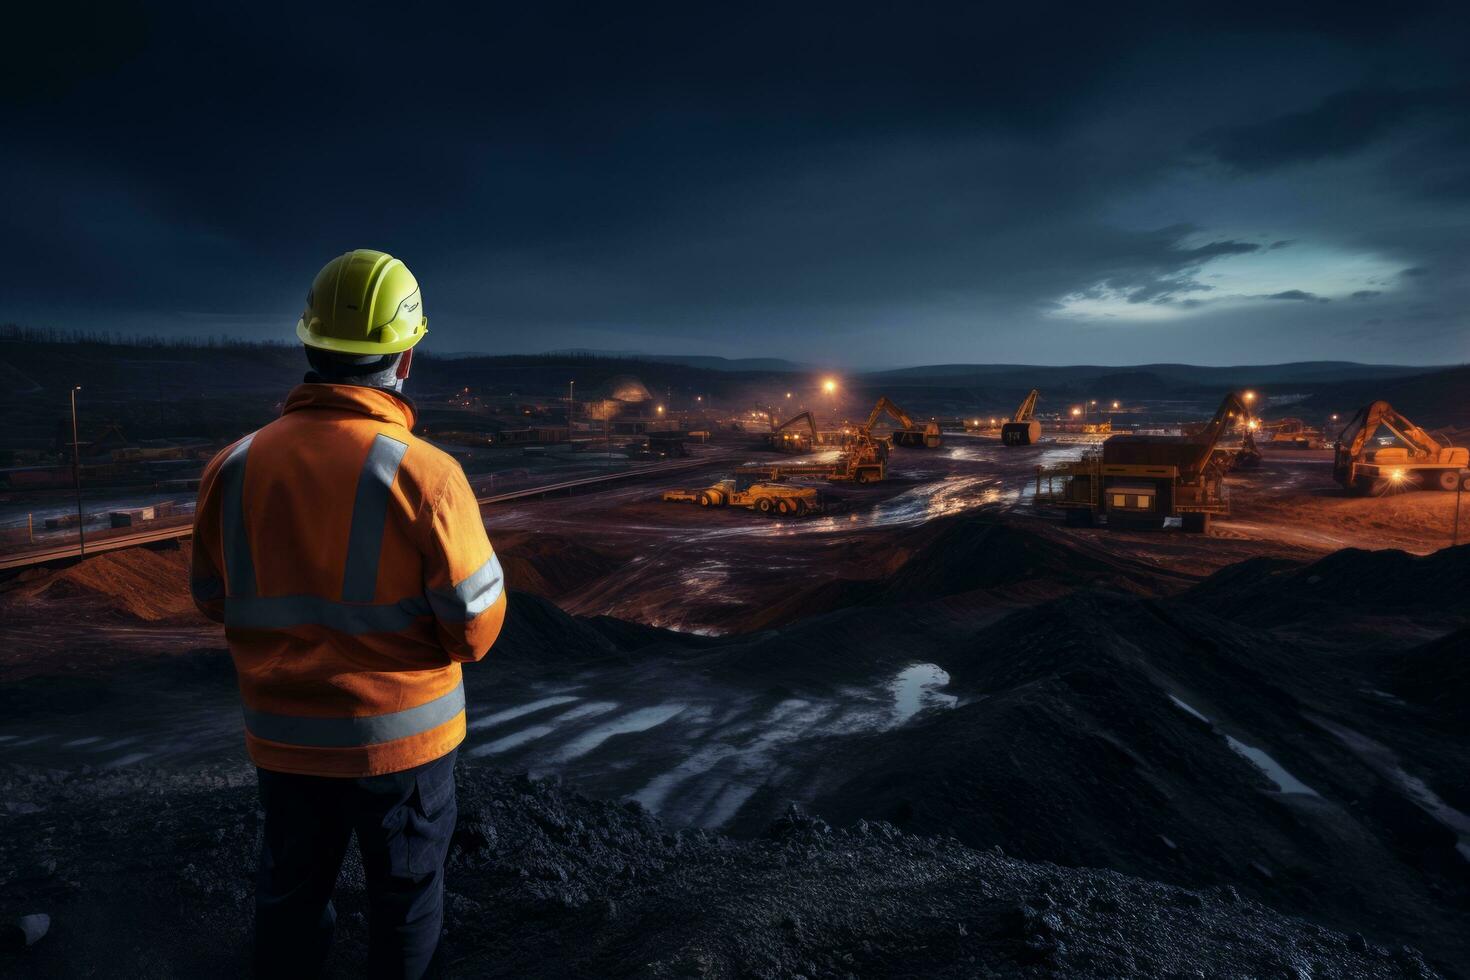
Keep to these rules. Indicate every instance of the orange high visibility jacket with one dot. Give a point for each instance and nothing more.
(349, 564)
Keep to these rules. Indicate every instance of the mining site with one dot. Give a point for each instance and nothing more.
(933, 723)
(804, 491)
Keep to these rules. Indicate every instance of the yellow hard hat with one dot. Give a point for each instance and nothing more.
(363, 302)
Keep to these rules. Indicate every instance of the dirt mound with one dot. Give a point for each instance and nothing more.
(1345, 585)
(964, 554)
(1154, 738)
(542, 883)
(133, 583)
(972, 552)
(550, 565)
(1436, 675)
(540, 638)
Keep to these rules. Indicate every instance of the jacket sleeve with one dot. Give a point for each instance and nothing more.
(462, 577)
(206, 580)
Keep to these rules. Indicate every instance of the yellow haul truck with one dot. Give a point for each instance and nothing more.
(1138, 481)
(771, 499)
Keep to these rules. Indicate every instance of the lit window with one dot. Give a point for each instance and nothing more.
(1120, 500)
(1144, 503)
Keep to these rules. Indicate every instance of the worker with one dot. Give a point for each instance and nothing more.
(350, 567)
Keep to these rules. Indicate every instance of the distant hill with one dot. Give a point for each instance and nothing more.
(777, 365)
(1175, 375)
(1432, 398)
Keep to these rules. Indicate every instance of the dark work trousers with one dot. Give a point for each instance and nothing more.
(403, 822)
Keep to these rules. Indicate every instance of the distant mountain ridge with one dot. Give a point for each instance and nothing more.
(1178, 374)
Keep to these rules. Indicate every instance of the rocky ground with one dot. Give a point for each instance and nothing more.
(1257, 716)
(147, 874)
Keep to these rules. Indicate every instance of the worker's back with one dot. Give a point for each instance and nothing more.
(350, 566)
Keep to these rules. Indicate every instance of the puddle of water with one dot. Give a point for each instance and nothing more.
(917, 687)
(509, 714)
(634, 721)
(1382, 760)
(1285, 781)
(1275, 771)
(589, 710)
(726, 805)
(512, 740)
(1190, 710)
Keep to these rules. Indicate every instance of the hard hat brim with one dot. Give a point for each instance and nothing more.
(341, 346)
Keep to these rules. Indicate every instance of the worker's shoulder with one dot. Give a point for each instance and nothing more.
(427, 464)
(219, 458)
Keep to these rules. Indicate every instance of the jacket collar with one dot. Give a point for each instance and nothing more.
(376, 403)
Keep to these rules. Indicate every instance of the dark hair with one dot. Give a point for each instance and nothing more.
(375, 370)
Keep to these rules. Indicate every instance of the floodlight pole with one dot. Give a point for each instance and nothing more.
(1459, 488)
(76, 473)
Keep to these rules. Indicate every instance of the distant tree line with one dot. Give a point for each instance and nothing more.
(15, 333)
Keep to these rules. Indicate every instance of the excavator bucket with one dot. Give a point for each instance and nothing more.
(1020, 433)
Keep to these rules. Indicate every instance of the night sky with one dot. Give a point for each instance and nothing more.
(848, 185)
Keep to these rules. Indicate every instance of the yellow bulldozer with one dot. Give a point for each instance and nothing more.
(764, 497)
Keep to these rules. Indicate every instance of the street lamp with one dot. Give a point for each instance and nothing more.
(571, 403)
(76, 473)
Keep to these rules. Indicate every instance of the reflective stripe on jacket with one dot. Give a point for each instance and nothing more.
(349, 564)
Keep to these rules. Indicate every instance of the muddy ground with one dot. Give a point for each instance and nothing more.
(1254, 709)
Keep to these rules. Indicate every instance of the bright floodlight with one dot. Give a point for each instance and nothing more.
(1250, 396)
(829, 386)
(1076, 411)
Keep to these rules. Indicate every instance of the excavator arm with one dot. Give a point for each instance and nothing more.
(806, 417)
(1233, 409)
(885, 404)
(1364, 424)
(1028, 407)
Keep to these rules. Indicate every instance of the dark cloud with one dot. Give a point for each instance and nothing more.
(1367, 293)
(871, 183)
(1340, 124)
(1300, 295)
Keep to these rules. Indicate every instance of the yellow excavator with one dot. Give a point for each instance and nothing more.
(909, 432)
(1138, 480)
(1291, 433)
(788, 437)
(862, 460)
(1420, 463)
(1022, 429)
